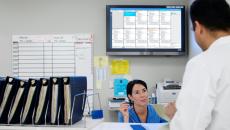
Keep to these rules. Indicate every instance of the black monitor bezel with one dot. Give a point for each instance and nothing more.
(139, 51)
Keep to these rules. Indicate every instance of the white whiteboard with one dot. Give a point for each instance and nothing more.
(36, 56)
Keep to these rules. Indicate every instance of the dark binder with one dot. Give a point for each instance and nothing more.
(56, 101)
(2, 83)
(30, 100)
(75, 89)
(17, 104)
(42, 102)
(9, 90)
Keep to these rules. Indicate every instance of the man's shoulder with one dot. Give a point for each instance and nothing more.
(197, 60)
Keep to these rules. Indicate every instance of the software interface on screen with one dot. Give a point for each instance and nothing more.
(149, 28)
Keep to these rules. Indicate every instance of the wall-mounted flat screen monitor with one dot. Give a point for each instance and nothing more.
(145, 30)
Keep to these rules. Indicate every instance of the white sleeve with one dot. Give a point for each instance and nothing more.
(196, 99)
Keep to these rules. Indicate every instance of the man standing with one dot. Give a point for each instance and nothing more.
(203, 103)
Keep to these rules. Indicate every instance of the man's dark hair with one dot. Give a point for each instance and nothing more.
(213, 14)
(130, 85)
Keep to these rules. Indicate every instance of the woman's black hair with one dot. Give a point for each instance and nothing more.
(130, 85)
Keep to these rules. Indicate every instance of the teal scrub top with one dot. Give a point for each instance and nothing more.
(152, 116)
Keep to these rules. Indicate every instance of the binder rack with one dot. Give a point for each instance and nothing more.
(84, 94)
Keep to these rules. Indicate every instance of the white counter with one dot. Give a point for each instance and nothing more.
(126, 126)
(81, 125)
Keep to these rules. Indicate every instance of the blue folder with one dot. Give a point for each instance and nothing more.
(137, 127)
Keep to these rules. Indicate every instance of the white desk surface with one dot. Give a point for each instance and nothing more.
(126, 126)
(81, 125)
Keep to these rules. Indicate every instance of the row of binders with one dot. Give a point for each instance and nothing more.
(54, 101)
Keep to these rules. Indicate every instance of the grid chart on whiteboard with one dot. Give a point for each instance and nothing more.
(36, 56)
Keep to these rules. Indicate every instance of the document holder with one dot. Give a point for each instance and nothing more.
(17, 104)
(75, 89)
(30, 100)
(9, 91)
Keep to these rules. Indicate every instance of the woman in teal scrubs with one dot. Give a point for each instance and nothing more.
(138, 110)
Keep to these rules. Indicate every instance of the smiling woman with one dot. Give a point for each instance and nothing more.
(138, 110)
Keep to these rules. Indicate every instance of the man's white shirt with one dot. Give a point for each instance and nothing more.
(203, 102)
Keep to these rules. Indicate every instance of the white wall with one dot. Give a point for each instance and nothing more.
(77, 16)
